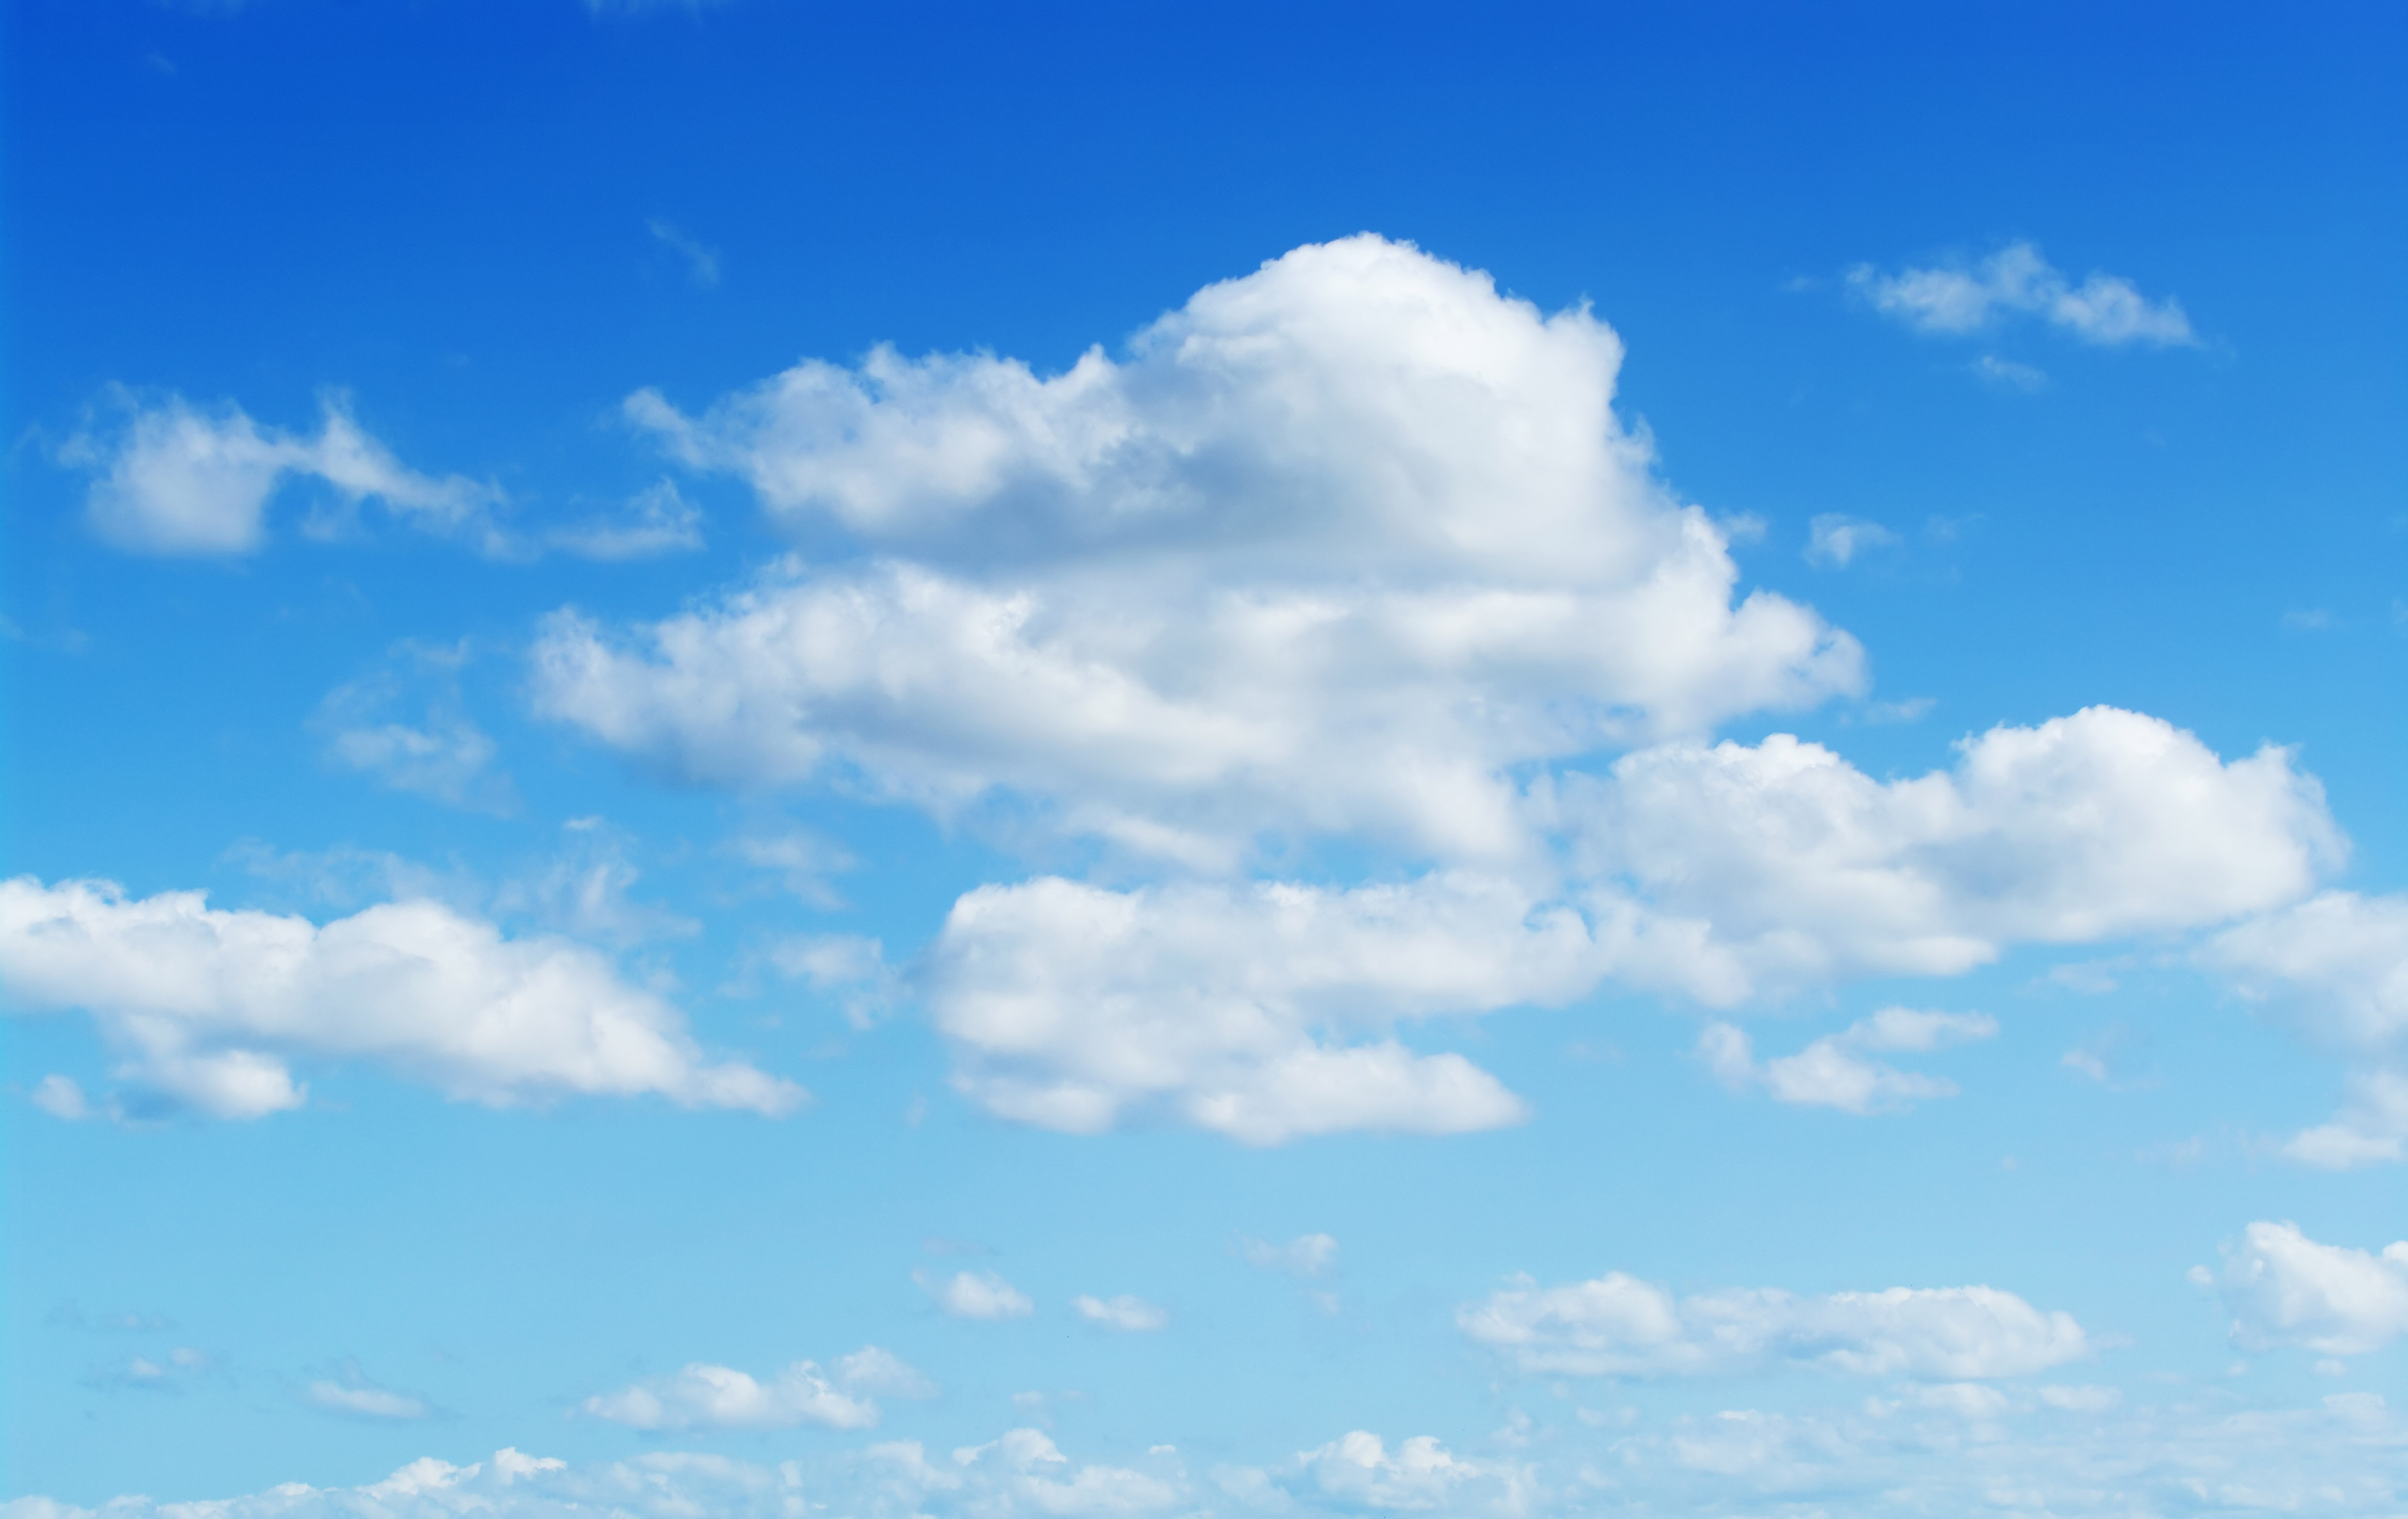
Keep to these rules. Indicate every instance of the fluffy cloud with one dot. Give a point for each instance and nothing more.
(1075, 1006)
(976, 1294)
(1833, 1072)
(1124, 1312)
(1358, 1469)
(1619, 1326)
(1354, 546)
(1721, 874)
(1025, 1472)
(705, 1397)
(180, 480)
(205, 1008)
(2282, 1288)
(2337, 965)
(1780, 864)
(2370, 1127)
(2338, 959)
(1335, 546)
(2015, 279)
(2069, 1452)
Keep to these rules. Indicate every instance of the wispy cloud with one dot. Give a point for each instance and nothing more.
(702, 261)
(2016, 280)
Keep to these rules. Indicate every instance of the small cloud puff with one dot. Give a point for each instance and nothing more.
(1833, 1072)
(2016, 280)
(976, 1294)
(1124, 1312)
(706, 1396)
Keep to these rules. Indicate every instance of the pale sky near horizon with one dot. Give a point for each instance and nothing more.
(1092, 761)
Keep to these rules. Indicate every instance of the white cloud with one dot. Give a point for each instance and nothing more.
(2338, 959)
(1779, 864)
(705, 1396)
(1354, 547)
(1025, 1472)
(1904, 1457)
(2371, 1126)
(1338, 544)
(1307, 1255)
(976, 1294)
(1833, 1072)
(61, 1097)
(1074, 1005)
(657, 521)
(1122, 1313)
(587, 890)
(2282, 1288)
(851, 967)
(443, 755)
(204, 1008)
(355, 1396)
(1725, 874)
(1834, 539)
(1619, 1326)
(180, 480)
(2008, 375)
(803, 860)
(2337, 966)
(1358, 1469)
(2016, 280)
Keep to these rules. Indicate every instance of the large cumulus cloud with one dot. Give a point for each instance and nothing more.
(1355, 548)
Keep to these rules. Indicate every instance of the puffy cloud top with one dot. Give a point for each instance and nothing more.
(207, 1007)
(1619, 1326)
(1336, 544)
(2284, 1289)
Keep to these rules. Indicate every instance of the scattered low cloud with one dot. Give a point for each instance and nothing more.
(657, 521)
(975, 1294)
(1270, 1010)
(352, 1394)
(2336, 967)
(171, 1371)
(2285, 1289)
(1306, 1255)
(178, 478)
(1944, 1447)
(1358, 1470)
(2007, 375)
(1835, 1073)
(1619, 1326)
(205, 1009)
(406, 725)
(706, 1396)
(848, 968)
(587, 890)
(1834, 540)
(61, 1097)
(2016, 280)
(803, 861)
(1124, 1312)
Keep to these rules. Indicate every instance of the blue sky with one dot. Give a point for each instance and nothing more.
(772, 759)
